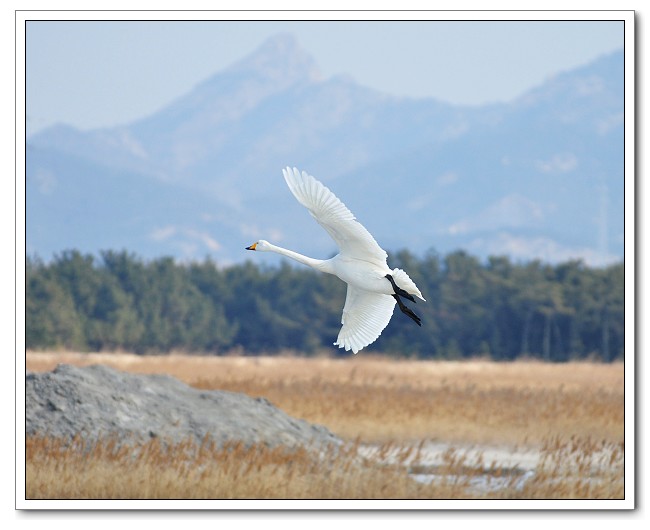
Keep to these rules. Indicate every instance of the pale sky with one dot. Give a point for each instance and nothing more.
(100, 74)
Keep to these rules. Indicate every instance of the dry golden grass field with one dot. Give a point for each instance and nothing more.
(441, 421)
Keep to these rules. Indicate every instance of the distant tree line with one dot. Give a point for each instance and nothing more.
(497, 309)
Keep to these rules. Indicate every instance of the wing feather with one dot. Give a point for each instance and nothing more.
(351, 236)
(365, 316)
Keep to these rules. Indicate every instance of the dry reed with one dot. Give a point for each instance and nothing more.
(571, 413)
(58, 469)
(378, 399)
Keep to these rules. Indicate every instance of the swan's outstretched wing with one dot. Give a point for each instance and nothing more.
(351, 236)
(365, 315)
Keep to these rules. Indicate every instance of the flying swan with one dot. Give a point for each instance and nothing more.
(373, 289)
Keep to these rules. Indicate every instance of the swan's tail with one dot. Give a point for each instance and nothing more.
(402, 280)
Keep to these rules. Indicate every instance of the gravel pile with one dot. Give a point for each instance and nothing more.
(98, 401)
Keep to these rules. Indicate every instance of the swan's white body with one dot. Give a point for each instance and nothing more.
(361, 263)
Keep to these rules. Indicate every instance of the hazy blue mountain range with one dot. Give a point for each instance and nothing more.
(538, 177)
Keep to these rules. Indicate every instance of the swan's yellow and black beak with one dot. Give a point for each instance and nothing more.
(252, 247)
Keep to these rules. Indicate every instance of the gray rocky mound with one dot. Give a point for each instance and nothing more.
(98, 401)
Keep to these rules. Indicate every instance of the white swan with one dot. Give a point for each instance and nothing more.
(373, 288)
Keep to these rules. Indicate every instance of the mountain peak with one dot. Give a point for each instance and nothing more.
(279, 57)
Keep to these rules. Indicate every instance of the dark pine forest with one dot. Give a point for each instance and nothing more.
(495, 309)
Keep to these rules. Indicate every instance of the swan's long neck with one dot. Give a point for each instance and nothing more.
(305, 260)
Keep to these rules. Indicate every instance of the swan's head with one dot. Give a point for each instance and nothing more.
(260, 245)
